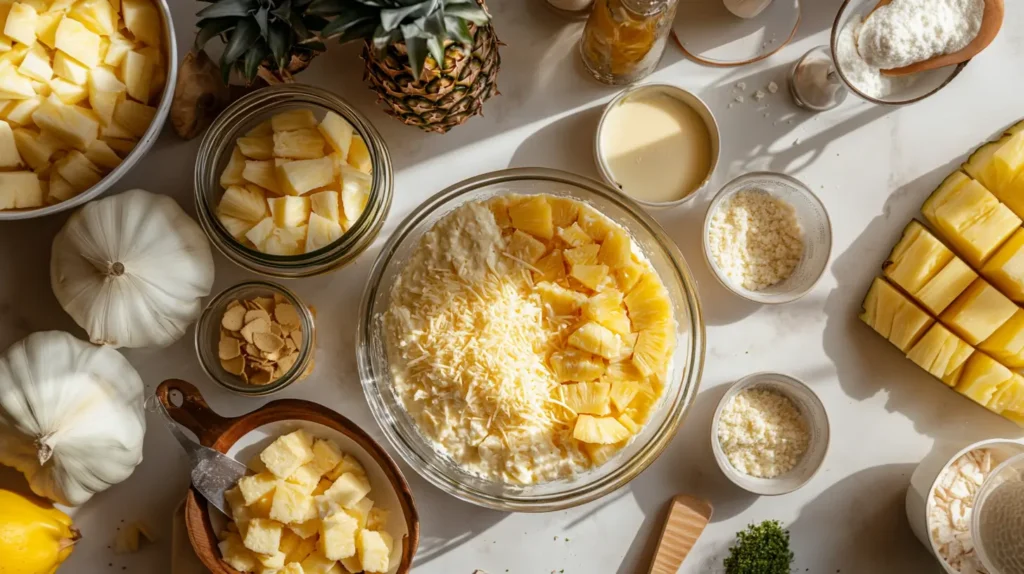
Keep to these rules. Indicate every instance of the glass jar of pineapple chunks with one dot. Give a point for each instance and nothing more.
(292, 181)
(624, 39)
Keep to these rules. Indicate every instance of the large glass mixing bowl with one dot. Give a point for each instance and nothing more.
(681, 384)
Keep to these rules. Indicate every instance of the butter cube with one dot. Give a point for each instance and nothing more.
(236, 555)
(352, 564)
(361, 511)
(317, 563)
(338, 536)
(261, 508)
(292, 568)
(376, 518)
(288, 453)
(256, 486)
(321, 487)
(374, 554)
(349, 489)
(289, 542)
(305, 547)
(274, 560)
(306, 529)
(307, 476)
(263, 535)
(291, 504)
(348, 464)
(326, 455)
(236, 502)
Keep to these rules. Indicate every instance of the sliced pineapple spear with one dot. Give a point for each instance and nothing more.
(978, 312)
(1006, 344)
(312, 200)
(893, 316)
(1005, 269)
(969, 217)
(926, 269)
(996, 164)
(941, 353)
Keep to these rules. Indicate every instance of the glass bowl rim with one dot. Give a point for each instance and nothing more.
(305, 354)
(628, 469)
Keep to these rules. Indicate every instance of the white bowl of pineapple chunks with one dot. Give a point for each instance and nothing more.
(85, 88)
(292, 181)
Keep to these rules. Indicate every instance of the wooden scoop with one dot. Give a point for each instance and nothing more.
(991, 22)
(687, 518)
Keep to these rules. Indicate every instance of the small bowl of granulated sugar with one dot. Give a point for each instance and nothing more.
(767, 238)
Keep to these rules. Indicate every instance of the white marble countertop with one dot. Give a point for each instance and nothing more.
(872, 167)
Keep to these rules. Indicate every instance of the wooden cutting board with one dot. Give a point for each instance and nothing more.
(687, 518)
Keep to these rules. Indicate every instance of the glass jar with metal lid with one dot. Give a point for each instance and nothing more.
(624, 39)
(215, 152)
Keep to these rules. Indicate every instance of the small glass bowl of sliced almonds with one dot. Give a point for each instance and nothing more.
(256, 338)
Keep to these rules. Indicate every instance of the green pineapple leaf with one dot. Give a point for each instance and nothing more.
(242, 38)
(416, 45)
(209, 28)
(278, 40)
(459, 30)
(233, 8)
(253, 58)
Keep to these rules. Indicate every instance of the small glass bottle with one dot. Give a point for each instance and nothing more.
(624, 39)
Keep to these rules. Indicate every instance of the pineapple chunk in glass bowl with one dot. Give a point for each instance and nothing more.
(583, 359)
(291, 181)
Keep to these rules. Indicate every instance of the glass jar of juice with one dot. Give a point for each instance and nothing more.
(624, 39)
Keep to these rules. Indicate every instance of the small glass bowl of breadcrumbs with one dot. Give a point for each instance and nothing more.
(256, 338)
(767, 238)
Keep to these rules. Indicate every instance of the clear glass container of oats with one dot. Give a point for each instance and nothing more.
(526, 475)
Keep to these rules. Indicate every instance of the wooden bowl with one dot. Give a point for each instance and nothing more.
(222, 434)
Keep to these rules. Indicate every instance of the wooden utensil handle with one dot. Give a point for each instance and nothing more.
(194, 414)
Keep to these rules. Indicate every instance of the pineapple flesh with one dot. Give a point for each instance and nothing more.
(941, 353)
(1006, 344)
(916, 258)
(1006, 268)
(945, 286)
(596, 339)
(978, 312)
(893, 316)
(599, 430)
(970, 217)
(587, 398)
(533, 215)
(981, 377)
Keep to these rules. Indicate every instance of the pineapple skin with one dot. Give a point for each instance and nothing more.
(444, 96)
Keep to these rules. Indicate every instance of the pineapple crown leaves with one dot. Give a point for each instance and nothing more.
(423, 25)
(252, 30)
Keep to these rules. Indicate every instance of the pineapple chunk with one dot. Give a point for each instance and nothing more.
(15, 55)
(20, 189)
(263, 174)
(14, 86)
(980, 378)
(78, 171)
(978, 312)
(118, 49)
(591, 276)
(533, 215)
(321, 232)
(232, 174)
(36, 64)
(338, 132)
(243, 203)
(374, 553)
(77, 41)
(261, 148)
(917, 258)
(235, 227)
(995, 164)
(1009, 396)
(499, 208)
(969, 217)
(9, 156)
(599, 430)
(68, 93)
(601, 453)
(97, 15)
(564, 211)
(261, 232)
(73, 125)
(648, 303)
(299, 144)
(293, 120)
(32, 148)
(289, 211)
(46, 28)
(574, 235)
(1006, 344)
(550, 268)
(299, 177)
(653, 348)
(623, 392)
(623, 371)
(21, 23)
(135, 117)
(594, 338)
(583, 255)
(143, 20)
(326, 204)
(986, 236)
(590, 398)
(941, 353)
(121, 146)
(631, 425)
(101, 154)
(523, 247)
(616, 250)
(946, 286)
(286, 241)
(893, 316)
(606, 308)
(137, 75)
(355, 193)
(559, 301)
(627, 276)
(1005, 269)
(20, 111)
(359, 155)
(594, 223)
(59, 190)
(576, 365)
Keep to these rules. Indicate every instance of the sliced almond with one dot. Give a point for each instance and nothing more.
(257, 326)
(254, 314)
(276, 329)
(296, 337)
(229, 348)
(250, 305)
(265, 303)
(235, 366)
(252, 350)
(272, 357)
(289, 344)
(287, 316)
(233, 303)
(233, 319)
(262, 376)
(267, 342)
(287, 362)
(279, 298)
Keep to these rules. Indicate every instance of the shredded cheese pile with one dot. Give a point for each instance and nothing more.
(469, 342)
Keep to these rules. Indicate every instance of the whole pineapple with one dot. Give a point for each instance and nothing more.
(433, 63)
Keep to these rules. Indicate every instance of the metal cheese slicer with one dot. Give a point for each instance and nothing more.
(212, 473)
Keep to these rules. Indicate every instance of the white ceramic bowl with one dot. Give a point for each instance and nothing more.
(680, 94)
(927, 474)
(812, 410)
(817, 234)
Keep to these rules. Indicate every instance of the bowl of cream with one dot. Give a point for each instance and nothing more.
(657, 144)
